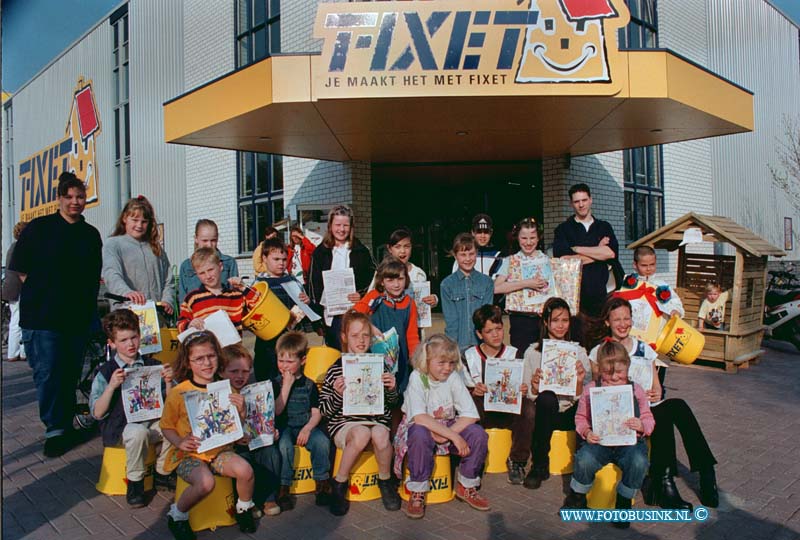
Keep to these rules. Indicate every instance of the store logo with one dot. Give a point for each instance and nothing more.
(471, 42)
(75, 153)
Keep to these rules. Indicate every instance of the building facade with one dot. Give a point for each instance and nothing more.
(145, 54)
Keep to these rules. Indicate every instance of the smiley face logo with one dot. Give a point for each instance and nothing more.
(568, 42)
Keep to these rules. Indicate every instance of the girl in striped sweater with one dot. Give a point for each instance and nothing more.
(352, 434)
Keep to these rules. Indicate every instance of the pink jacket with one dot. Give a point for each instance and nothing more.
(583, 417)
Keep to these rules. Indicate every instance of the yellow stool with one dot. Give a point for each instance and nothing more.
(441, 482)
(363, 477)
(318, 360)
(303, 477)
(169, 346)
(499, 447)
(217, 509)
(604, 490)
(562, 452)
(114, 473)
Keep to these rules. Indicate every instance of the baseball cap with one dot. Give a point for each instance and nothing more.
(481, 222)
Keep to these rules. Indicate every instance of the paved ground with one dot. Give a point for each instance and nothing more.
(752, 420)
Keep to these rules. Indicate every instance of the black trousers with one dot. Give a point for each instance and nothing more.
(524, 330)
(549, 419)
(265, 361)
(671, 414)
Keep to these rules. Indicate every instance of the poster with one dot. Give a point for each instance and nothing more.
(612, 406)
(259, 420)
(148, 327)
(641, 372)
(529, 300)
(388, 346)
(363, 387)
(214, 419)
(559, 373)
(141, 393)
(337, 285)
(421, 290)
(567, 277)
(503, 379)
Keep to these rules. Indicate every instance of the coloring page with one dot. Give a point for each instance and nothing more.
(611, 407)
(363, 387)
(641, 372)
(559, 374)
(503, 379)
(421, 290)
(214, 419)
(141, 393)
(259, 420)
(148, 327)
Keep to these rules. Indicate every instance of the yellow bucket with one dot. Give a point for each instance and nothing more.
(114, 472)
(169, 346)
(680, 342)
(363, 477)
(604, 490)
(269, 316)
(216, 509)
(441, 482)
(562, 452)
(318, 360)
(303, 473)
(499, 448)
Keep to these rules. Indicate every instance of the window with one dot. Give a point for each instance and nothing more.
(260, 196)
(258, 30)
(642, 31)
(122, 122)
(644, 191)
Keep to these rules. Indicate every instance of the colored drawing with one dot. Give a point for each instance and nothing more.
(611, 407)
(559, 361)
(148, 327)
(259, 422)
(363, 387)
(214, 419)
(141, 393)
(503, 379)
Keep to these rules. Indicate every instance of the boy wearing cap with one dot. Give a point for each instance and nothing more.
(488, 259)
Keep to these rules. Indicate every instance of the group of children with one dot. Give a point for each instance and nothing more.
(433, 403)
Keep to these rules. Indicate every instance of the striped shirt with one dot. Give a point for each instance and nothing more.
(331, 403)
(200, 303)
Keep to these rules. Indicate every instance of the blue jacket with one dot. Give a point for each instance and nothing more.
(461, 296)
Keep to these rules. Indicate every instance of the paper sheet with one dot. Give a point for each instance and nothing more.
(141, 393)
(293, 289)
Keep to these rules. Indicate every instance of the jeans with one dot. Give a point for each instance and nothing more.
(421, 449)
(57, 360)
(593, 457)
(318, 446)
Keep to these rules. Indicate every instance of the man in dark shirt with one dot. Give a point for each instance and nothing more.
(59, 259)
(591, 240)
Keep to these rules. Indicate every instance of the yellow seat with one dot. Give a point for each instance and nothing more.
(217, 509)
(303, 477)
(318, 360)
(169, 346)
(499, 447)
(562, 452)
(604, 490)
(363, 476)
(441, 482)
(114, 474)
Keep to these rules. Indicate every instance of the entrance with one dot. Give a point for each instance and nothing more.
(438, 201)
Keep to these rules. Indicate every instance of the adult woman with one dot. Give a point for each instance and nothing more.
(340, 249)
(134, 264)
(206, 234)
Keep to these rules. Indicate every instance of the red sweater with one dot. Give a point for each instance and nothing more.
(200, 303)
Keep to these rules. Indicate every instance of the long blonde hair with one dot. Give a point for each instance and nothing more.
(436, 346)
(141, 205)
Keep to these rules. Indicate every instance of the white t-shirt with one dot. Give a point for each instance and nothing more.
(474, 358)
(341, 257)
(444, 401)
(713, 313)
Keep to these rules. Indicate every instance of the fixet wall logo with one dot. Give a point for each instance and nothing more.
(76, 153)
(482, 46)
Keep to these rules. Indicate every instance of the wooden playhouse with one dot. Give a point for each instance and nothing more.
(743, 274)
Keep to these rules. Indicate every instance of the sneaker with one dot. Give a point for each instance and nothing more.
(271, 508)
(246, 520)
(284, 500)
(84, 421)
(389, 495)
(535, 478)
(415, 509)
(181, 530)
(339, 503)
(56, 446)
(472, 497)
(322, 493)
(135, 494)
(574, 500)
(164, 482)
(516, 471)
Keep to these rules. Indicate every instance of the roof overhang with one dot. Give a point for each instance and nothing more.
(275, 106)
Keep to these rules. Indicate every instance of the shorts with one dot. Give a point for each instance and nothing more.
(189, 464)
(341, 436)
